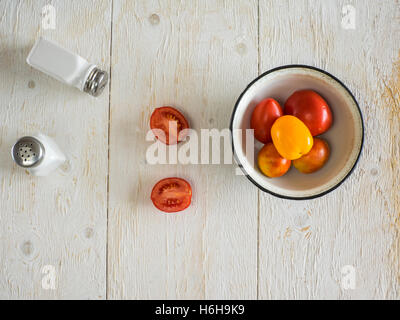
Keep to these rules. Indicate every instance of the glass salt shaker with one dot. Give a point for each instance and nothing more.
(67, 67)
(39, 154)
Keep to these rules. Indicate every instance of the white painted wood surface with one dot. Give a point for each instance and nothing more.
(93, 219)
(305, 244)
(59, 220)
(184, 58)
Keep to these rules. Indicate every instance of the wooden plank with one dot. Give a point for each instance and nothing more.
(58, 220)
(197, 56)
(305, 244)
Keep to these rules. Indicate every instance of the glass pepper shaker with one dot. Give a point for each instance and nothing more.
(67, 67)
(39, 154)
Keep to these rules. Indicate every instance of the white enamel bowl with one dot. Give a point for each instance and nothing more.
(345, 137)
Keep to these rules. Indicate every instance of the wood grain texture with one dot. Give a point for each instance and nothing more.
(196, 56)
(58, 220)
(305, 244)
(234, 242)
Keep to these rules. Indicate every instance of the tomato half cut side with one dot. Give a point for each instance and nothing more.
(169, 121)
(171, 195)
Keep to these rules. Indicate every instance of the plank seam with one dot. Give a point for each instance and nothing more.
(108, 143)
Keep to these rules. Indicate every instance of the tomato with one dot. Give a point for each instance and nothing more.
(291, 137)
(271, 163)
(315, 159)
(171, 194)
(171, 122)
(312, 109)
(262, 118)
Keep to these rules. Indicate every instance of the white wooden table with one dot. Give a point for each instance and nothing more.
(92, 221)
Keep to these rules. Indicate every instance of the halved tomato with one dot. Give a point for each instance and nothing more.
(171, 122)
(171, 194)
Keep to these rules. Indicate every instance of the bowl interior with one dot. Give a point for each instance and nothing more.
(344, 137)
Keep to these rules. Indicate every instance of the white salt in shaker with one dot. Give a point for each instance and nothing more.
(67, 67)
(39, 154)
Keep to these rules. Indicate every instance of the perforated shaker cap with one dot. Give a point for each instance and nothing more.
(28, 152)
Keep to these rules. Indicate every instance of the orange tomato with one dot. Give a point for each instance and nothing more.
(271, 163)
(291, 137)
(315, 159)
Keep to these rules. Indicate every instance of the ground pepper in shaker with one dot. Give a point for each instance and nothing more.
(39, 154)
(67, 67)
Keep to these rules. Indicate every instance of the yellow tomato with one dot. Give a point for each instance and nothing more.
(291, 137)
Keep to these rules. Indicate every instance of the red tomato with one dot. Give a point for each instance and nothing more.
(263, 117)
(315, 159)
(310, 108)
(271, 162)
(171, 194)
(162, 119)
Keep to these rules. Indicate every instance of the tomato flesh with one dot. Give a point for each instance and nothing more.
(167, 124)
(171, 194)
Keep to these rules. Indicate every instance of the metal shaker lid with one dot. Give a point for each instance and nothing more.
(28, 152)
(96, 82)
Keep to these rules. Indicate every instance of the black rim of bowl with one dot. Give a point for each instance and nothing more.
(240, 164)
